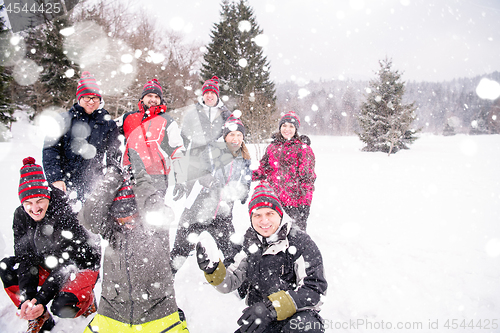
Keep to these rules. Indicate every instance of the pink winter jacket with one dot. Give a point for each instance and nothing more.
(288, 165)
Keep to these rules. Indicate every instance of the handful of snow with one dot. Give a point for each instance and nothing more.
(207, 253)
(161, 218)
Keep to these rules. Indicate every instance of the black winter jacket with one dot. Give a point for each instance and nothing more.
(292, 263)
(78, 155)
(58, 238)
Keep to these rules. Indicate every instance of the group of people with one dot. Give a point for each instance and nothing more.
(95, 193)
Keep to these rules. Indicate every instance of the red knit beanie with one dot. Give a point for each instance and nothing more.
(211, 85)
(264, 197)
(292, 118)
(232, 124)
(124, 203)
(87, 85)
(32, 183)
(154, 87)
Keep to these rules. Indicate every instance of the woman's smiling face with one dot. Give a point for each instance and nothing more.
(287, 130)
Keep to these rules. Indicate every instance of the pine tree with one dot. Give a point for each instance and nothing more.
(384, 120)
(244, 71)
(220, 59)
(6, 106)
(60, 89)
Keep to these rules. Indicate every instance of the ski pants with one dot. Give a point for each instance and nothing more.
(299, 215)
(171, 324)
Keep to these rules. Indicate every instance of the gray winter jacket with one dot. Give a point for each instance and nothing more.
(231, 180)
(198, 130)
(138, 285)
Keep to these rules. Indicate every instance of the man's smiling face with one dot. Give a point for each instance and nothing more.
(36, 207)
(265, 221)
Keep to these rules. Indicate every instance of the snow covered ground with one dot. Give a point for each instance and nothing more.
(410, 242)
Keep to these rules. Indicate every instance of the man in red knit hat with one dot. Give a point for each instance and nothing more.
(280, 266)
(55, 258)
(137, 258)
(153, 138)
(202, 126)
(76, 159)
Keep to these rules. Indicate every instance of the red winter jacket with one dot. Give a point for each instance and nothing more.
(155, 136)
(288, 165)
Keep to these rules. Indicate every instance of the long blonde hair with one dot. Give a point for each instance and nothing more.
(244, 151)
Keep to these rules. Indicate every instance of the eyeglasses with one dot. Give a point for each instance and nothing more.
(93, 99)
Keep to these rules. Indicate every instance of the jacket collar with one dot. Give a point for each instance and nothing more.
(79, 112)
(153, 111)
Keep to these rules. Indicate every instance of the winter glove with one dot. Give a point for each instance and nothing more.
(150, 202)
(257, 317)
(113, 168)
(207, 254)
(179, 191)
(257, 175)
(283, 304)
(206, 180)
(244, 199)
(114, 160)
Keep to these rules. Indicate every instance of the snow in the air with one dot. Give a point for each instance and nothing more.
(411, 240)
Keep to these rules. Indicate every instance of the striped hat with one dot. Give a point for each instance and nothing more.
(124, 202)
(152, 87)
(233, 124)
(292, 118)
(32, 183)
(264, 197)
(211, 85)
(87, 85)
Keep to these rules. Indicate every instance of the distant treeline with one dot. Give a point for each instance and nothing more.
(451, 107)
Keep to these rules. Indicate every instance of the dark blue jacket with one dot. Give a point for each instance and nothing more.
(79, 156)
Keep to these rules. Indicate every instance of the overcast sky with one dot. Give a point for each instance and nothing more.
(429, 40)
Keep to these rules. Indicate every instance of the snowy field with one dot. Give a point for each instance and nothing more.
(410, 242)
